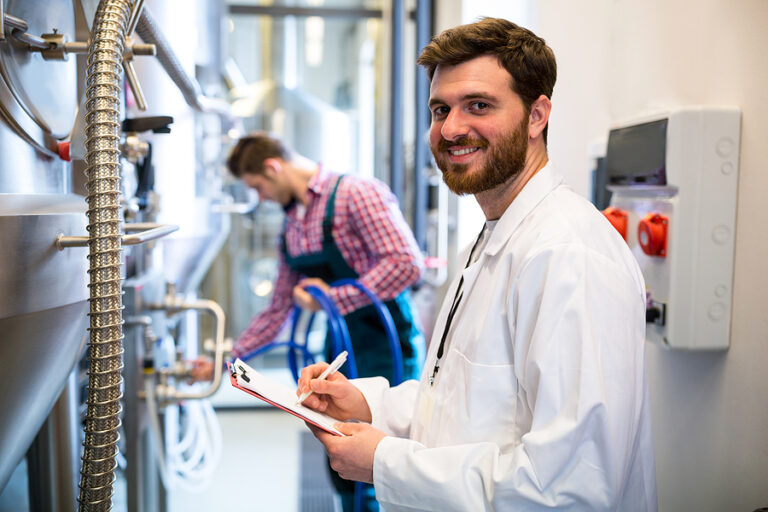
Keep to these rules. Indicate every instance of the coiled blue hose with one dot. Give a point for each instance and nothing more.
(340, 340)
(389, 327)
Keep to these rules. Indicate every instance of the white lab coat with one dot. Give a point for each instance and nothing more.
(542, 398)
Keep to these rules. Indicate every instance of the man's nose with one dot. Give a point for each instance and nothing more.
(454, 126)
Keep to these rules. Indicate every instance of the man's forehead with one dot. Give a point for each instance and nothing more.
(481, 76)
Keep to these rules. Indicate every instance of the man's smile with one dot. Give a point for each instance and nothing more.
(463, 151)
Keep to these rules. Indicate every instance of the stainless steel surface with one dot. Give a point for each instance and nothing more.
(37, 352)
(34, 275)
(102, 133)
(2, 20)
(52, 460)
(43, 304)
(188, 254)
(43, 93)
(146, 232)
(143, 487)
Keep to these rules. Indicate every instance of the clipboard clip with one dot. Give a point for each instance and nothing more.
(243, 374)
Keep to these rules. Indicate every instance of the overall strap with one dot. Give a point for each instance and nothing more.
(329, 211)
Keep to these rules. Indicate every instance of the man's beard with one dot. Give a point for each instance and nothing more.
(505, 160)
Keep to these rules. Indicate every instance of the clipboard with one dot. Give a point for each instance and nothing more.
(245, 378)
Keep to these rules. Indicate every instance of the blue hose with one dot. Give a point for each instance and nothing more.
(339, 333)
(389, 326)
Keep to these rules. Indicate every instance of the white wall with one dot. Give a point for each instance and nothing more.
(617, 58)
(710, 413)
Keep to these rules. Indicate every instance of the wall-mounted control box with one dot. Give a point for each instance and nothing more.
(674, 176)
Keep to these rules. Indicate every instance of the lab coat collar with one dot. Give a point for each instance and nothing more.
(537, 188)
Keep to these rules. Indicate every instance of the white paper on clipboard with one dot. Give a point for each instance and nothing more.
(278, 395)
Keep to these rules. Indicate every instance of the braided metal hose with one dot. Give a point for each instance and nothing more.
(102, 134)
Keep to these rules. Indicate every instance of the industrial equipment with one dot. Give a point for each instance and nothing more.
(673, 179)
(65, 257)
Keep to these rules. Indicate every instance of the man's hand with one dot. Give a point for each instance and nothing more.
(303, 299)
(351, 456)
(335, 396)
(202, 369)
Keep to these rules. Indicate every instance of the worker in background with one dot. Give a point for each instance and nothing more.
(336, 226)
(534, 394)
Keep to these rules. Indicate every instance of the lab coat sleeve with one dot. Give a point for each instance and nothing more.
(576, 323)
(391, 408)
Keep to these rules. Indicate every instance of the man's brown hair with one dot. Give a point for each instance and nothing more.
(522, 53)
(250, 152)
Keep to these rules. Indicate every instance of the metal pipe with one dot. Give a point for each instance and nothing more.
(2, 20)
(133, 82)
(102, 143)
(421, 156)
(146, 232)
(396, 108)
(19, 29)
(173, 304)
(149, 32)
(135, 13)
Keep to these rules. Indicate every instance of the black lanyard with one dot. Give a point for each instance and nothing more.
(456, 300)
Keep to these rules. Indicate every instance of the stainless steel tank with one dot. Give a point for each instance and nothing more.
(43, 304)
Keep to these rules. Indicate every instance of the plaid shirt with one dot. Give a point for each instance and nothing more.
(370, 232)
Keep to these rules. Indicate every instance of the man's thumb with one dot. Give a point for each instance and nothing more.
(348, 428)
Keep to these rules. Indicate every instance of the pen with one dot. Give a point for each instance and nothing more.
(335, 365)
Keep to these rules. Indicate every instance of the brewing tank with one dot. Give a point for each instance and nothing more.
(43, 304)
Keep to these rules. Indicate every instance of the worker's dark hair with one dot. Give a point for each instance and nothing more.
(250, 152)
(522, 53)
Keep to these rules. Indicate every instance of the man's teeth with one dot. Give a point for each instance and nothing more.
(463, 151)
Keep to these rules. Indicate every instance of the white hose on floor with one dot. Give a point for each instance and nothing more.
(193, 459)
(190, 461)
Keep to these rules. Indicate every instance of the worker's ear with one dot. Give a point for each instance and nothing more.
(273, 167)
(539, 116)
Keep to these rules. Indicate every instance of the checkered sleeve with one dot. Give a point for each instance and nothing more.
(267, 324)
(395, 261)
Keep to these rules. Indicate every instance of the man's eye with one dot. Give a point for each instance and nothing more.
(480, 105)
(439, 111)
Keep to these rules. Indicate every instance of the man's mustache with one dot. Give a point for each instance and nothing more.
(444, 144)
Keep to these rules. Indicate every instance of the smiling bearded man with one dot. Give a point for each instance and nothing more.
(504, 162)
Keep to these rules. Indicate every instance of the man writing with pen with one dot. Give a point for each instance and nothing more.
(331, 369)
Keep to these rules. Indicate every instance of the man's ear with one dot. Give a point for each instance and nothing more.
(539, 116)
(273, 166)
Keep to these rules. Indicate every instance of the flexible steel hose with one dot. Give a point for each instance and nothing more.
(102, 134)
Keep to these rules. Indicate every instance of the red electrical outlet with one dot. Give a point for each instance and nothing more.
(652, 234)
(618, 218)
